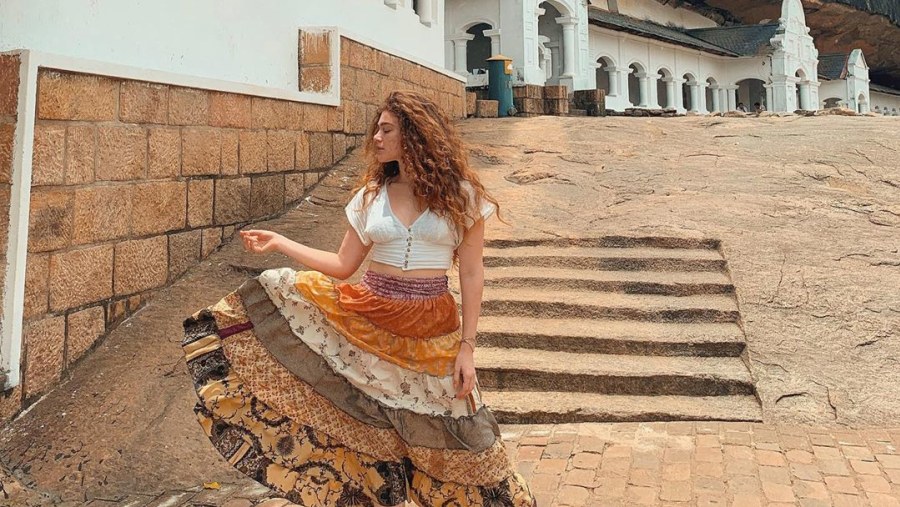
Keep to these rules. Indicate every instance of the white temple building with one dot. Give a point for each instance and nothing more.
(645, 54)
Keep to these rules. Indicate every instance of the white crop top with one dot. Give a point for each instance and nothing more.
(428, 243)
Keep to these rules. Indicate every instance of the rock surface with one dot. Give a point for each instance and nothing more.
(806, 209)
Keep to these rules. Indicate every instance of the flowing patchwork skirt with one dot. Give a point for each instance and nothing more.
(342, 395)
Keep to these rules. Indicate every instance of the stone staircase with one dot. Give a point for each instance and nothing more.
(612, 329)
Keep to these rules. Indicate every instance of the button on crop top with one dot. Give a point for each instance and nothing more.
(428, 243)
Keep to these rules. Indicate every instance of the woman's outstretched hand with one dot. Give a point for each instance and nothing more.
(464, 371)
(258, 241)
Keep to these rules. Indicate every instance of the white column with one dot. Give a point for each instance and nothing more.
(784, 94)
(512, 19)
(769, 96)
(677, 89)
(645, 89)
(701, 98)
(671, 98)
(723, 99)
(814, 95)
(495, 40)
(716, 105)
(613, 81)
(568, 24)
(695, 97)
(732, 98)
(653, 88)
(806, 102)
(459, 52)
(426, 12)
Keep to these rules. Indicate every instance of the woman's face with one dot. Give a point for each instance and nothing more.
(387, 138)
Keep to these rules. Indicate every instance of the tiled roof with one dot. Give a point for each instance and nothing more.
(649, 29)
(743, 40)
(883, 89)
(833, 66)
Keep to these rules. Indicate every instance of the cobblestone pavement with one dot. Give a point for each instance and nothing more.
(706, 464)
(657, 464)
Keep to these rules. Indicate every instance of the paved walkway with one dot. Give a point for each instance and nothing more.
(655, 464)
(705, 464)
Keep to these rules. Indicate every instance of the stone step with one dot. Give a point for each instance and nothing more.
(540, 370)
(607, 259)
(608, 242)
(590, 251)
(528, 407)
(611, 336)
(516, 302)
(669, 283)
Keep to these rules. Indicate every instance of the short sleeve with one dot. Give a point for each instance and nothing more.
(478, 208)
(356, 215)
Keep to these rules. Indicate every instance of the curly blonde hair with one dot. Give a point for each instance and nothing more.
(434, 156)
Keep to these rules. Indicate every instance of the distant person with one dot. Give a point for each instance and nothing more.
(759, 108)
(741, 107)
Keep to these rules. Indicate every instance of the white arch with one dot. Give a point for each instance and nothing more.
(561, 5)
(665, 71)
(689, 78)
(862, 104)
(639, 67)
(830, 102)
(637, 84)
(463, 28)
(610, 61)
(746, 78)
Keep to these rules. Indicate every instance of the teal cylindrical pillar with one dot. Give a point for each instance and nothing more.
(500, 73)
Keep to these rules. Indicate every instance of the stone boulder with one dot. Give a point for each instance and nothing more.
(837, 111)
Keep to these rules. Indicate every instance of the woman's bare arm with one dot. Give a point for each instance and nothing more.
(339, 265)
(471, 284)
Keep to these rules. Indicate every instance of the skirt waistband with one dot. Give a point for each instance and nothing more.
(399, 287)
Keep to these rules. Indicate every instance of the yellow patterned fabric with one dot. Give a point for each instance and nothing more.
(434, 356)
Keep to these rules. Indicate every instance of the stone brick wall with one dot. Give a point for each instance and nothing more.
(134, 182)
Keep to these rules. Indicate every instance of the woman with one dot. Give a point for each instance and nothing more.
(365, 394)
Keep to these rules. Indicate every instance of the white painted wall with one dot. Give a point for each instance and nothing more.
(626, 49)
(833, 89)
(245, 42)
(888, 105)
(663, 14)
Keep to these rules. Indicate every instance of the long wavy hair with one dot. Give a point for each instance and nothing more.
(433, 154)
